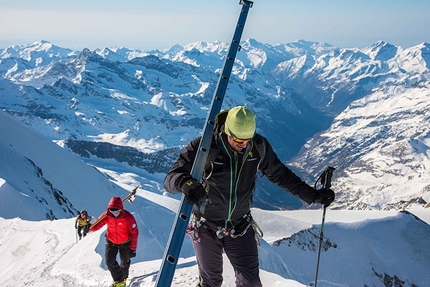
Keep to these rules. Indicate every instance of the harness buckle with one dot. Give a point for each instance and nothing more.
(224, 232)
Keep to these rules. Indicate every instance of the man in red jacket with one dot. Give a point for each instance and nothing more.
(121, 236)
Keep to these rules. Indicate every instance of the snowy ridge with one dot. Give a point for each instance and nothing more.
(30, 168)
(39, 53)
(341, 76)
(366, 248)
(62, 262)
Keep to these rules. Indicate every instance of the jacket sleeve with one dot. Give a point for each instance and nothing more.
(133, 231)
(181, 169)
(281, 175)
(103, 220)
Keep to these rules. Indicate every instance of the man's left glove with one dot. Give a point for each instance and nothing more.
(324, 196)
(132, 253)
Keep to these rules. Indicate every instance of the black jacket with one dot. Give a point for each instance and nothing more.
(229, 178)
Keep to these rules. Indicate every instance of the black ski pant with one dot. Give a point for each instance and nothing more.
(83, 230)
(241, 251)
(119, 272)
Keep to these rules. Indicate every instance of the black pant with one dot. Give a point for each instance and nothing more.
(83, 230)
(119, 272)
(241, 251)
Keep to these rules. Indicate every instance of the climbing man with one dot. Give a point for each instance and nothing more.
(121, 237)
(222, 199)
(82, 224)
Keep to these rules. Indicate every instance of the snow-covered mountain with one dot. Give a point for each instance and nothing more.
(140, 107)
(332, 80)
(150, 104)
(380, 144)
(30, 165)
(360, 248)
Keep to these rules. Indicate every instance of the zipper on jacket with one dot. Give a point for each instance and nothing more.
(235, 173)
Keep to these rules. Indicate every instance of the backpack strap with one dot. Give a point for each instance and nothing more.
(260, 144)
(213, 150)
(220, 120)
(212, 155)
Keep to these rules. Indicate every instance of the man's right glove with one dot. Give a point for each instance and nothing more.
(324, 196)
(194, 191)
(132, 253)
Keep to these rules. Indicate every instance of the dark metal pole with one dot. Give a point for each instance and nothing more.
(173, 248)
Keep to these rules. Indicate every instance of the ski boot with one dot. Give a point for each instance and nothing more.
(119, 283)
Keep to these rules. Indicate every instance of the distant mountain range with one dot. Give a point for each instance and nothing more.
(363, 111)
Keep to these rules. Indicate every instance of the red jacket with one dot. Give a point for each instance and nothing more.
(120, 229)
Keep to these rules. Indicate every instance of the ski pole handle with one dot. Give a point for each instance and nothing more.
(328, 176)
(325, 178)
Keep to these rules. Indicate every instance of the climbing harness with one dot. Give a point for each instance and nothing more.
(221, 232)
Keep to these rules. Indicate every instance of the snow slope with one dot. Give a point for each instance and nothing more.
(46, 252)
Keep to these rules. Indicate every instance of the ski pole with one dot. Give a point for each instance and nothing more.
(325, 178)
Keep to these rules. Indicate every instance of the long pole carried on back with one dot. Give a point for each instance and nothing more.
(325, 178)
(173, 248)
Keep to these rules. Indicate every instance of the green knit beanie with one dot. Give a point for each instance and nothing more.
(240, 123)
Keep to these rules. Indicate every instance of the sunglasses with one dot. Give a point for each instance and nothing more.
(114, 210)
(240, 141)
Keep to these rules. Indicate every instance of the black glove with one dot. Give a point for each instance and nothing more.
(194, 191)
(132, 253)
(324, 196)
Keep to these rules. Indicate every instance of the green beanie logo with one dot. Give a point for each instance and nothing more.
(240, 123)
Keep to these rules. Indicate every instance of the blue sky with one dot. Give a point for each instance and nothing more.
(159, 24)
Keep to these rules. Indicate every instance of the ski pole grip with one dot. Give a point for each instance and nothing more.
(329, 175)
(325, 178)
